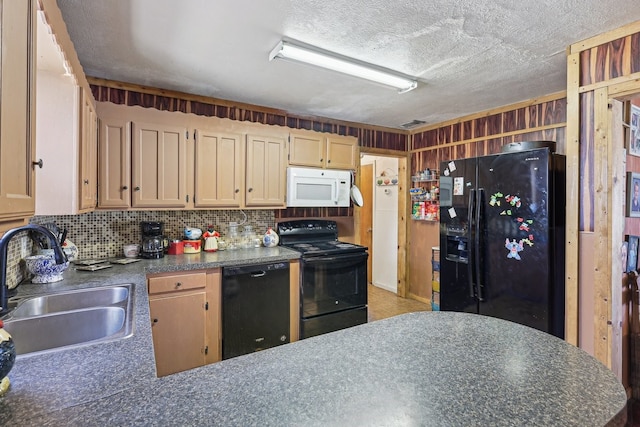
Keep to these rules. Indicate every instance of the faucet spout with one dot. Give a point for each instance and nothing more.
(59, 255)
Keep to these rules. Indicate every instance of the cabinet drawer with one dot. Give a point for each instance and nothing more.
(178, 282)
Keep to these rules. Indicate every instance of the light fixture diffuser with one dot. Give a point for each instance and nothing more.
(288, 50)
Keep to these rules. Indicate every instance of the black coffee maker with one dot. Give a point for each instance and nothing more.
(153, 239)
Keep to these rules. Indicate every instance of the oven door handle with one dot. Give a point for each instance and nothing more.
(326, 259)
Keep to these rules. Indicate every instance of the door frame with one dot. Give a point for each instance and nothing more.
(403, 210)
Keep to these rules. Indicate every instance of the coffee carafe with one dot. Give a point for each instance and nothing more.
(153, 240)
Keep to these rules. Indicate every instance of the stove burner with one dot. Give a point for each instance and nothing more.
(303, 245)
(344, 245)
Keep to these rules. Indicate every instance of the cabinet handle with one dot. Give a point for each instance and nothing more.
(136, 189)
(237, 190)
(38, 163)
(124, 187)
(329, 161)
(250, 190)
(155, 320)
(178, 284)
(86, 181)
(321, 159)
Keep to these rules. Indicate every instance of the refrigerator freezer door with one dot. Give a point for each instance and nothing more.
(455, 229)
(515, 237)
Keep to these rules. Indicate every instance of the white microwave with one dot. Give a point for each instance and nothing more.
(310, 187)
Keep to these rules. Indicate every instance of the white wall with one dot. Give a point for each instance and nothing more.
(385, 225)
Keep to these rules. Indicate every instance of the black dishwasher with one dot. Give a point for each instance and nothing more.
(255, 308)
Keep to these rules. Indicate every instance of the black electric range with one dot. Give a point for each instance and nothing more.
(333, 276)
(314, 237)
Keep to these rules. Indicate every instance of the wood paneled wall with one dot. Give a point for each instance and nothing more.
(370, 137)
(476, 135)
(600, 72)
(486, 133)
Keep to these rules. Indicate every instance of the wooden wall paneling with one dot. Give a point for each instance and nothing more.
(467, 130)
(634, 53)
(480, 127)
(494, 145)
(494, 124)
(585, 65)
(616, 201)
(404, 204)
(602, 267)
(616, 58)
(586, 162)
(573, 221)
(456, 132)
(509, 123)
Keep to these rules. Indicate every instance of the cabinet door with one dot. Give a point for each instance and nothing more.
(265, 171)
(159, 166)
(178, 329)
(218, 169)
(17, 109)
(342, 152)
(88, 153)
(306, 149)
(114, 166)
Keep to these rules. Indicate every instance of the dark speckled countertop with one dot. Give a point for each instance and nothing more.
(429, 369)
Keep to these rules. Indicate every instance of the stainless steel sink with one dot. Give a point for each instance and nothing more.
(73, 300)
(71, 319)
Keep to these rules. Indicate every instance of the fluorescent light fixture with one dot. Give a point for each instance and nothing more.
(287, 50)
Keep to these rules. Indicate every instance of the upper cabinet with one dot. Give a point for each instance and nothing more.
(266, 171)
(114, 166)
(183, 161)
(218, 169)
(66, 124)
(307, 148)
(17, 111)
(88, 152)
(159, 165)
(143, 159)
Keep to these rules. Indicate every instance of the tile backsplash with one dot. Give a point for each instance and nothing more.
(101, 234)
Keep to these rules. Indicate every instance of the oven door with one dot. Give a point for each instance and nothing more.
(333, 283)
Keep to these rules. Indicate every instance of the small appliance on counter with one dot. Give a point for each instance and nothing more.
(153, 239)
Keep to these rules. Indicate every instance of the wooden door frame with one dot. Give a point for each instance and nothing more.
(403, 210)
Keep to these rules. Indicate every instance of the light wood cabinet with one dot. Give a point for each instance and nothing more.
(143, 159)
(88, 182)
(159, 166)
(306, 149)
(184, 312)
(114, 166)
(320, 150)
(266, 165)
(17, 111)
(218, 169)
(66, 123)
(342, 152)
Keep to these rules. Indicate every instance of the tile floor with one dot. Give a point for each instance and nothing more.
(383, 304)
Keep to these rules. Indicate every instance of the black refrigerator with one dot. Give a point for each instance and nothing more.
(502, 237)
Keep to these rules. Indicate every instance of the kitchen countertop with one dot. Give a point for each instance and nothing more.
(440, 369)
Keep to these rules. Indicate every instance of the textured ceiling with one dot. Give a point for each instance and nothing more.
(468, 56)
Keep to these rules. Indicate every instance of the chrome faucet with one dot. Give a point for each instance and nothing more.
(59, 255)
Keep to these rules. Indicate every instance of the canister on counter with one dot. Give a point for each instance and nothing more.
(176, 247)
(191, 246)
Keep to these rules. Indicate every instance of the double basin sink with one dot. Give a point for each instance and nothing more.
(70, 319)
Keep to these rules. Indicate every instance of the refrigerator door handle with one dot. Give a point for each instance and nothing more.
(476, 242)
(470, 249)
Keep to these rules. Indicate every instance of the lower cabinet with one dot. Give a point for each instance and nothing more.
(185, 319)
